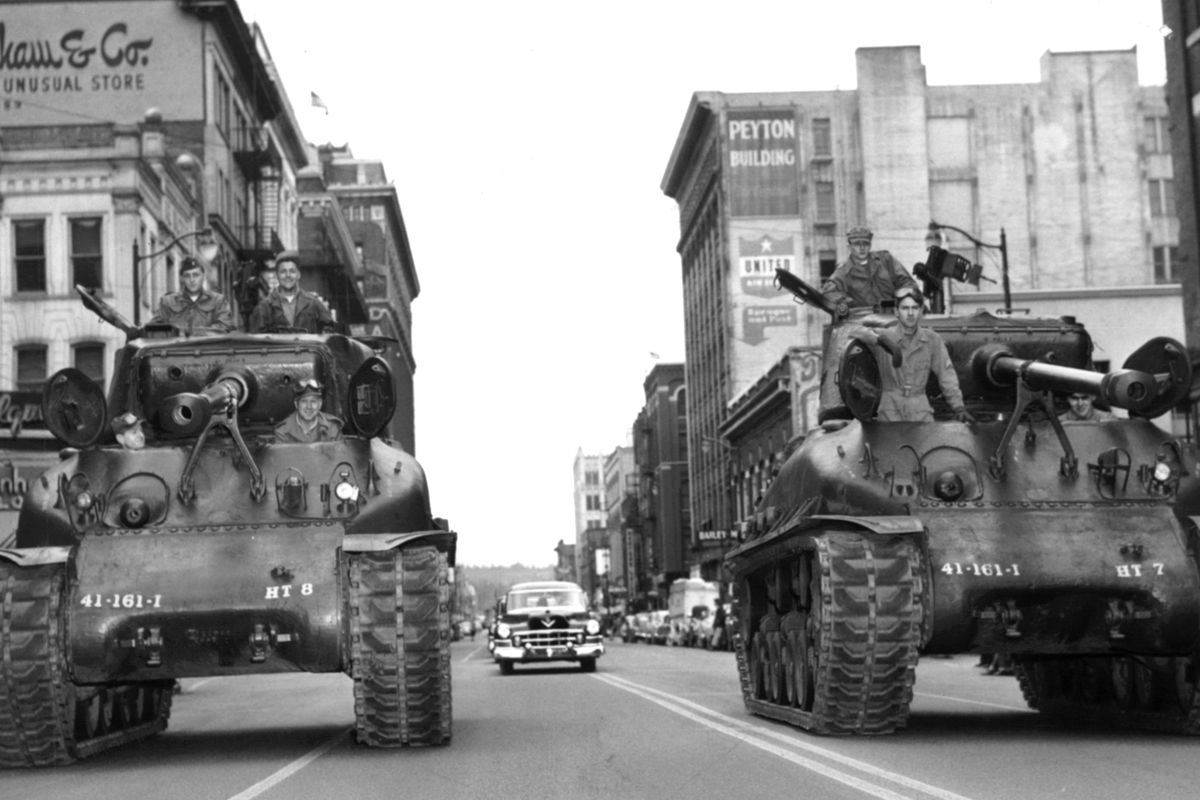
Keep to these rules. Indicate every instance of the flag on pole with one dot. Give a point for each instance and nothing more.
(318, 102)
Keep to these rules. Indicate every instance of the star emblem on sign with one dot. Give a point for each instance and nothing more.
(766, 244)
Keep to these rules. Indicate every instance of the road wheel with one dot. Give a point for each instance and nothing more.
(506, 668)
(1185, 682)
(587, 664)
(758, 657)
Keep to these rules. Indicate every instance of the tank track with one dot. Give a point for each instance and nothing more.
(400, 646)
(844, 661)
(1141, 693)
(45, 719)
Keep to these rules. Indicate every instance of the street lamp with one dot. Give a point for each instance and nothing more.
(1002, 247)
(208, 251)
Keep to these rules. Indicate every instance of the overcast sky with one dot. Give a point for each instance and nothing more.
(527, 142)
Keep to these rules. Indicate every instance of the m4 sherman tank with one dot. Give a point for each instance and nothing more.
(219, 549)
(1071, 546)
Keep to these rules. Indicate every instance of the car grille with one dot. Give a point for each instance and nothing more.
(560, 637)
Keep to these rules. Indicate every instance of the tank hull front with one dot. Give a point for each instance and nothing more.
(218, 601)
(1060, 581)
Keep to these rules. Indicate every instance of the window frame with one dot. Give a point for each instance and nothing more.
(23, 385)
(73, 256)
(20, 260)
(98, 344)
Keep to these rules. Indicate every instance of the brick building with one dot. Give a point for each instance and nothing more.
(660, 454)
(1074, 169)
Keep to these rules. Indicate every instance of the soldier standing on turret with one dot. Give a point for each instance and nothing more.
(194, 309)
(857, 287)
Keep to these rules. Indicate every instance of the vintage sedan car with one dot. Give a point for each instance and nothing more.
(546, 621)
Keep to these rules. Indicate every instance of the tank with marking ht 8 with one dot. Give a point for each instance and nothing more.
(218, 549)
(1071, 546)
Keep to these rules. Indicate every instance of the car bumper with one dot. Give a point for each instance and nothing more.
(572, 652)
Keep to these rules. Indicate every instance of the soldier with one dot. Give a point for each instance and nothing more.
(866, 279)
(1083, 409)
(289, 306)
(128, 429)
(194, 310)
(923, 352)
(308, 423)
(857, 287)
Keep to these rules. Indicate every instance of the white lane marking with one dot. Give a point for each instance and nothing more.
(1005, 706)
(750, 734)
(291, 769)
(196, 684)
(471, 654)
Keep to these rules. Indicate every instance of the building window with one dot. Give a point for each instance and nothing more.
(89, 359)
(593, 502)
(86, 259)
(826, 262)
(1156, 136)
(1165, 259)
(822, 139)
(1162, 198)
(29, 254)
(591, 478)
(825, 205)
(31, 367)
(222, 102)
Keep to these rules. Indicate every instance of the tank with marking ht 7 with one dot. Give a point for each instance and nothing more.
(1071, 546)
(221, 547)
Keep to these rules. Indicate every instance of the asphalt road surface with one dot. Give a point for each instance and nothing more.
(652, 722)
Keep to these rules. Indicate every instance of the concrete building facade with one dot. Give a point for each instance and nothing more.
(1074, 170)
(591, 520)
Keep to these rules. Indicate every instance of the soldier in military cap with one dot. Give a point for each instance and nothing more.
(128, 429)
(867, 278)
(194, 309)
(308, 423)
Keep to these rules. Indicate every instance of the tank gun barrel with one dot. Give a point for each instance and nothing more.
(1136, 390)
(188, 413)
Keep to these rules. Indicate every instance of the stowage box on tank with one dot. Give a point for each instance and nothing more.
(222, 547)
(1069, 546)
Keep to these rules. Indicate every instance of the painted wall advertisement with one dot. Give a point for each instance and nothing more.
(764, 159)
(73, 63)
(757, 259)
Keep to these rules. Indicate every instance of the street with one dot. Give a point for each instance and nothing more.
(651, 722)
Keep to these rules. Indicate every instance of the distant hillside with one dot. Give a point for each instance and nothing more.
(492, 582)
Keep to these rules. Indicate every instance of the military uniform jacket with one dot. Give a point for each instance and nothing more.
(209, 311)
(904, 398)
(327, 429)
(1097, 415)
(311, 314)
(867, 285)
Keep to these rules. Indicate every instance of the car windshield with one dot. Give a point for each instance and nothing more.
(543, 598)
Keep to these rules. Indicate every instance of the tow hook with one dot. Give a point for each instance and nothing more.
(1119, 614)
(1007, 616)
(260, 642)
(150, 645)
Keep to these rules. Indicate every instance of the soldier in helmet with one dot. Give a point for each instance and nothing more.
(308, 423)
(194, 309)
(857, 287)
(128, 429)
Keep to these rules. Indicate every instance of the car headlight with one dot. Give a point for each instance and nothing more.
(592, 627)
(502, 631)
